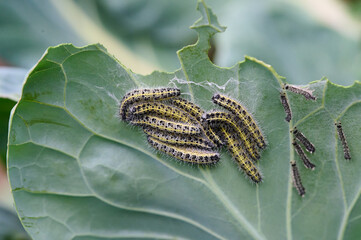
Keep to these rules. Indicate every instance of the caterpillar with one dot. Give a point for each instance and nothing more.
(302, 138)
(190, 155)
(179, 140)
(341, 135)
(160, 109)
(227, 119)
(237, 109)
(138, 95)
(286, 107)
(188, 107)
(167, 125)
(240, 156)
(306, 93)
(296, 178)
(196, 112)
(303, 156)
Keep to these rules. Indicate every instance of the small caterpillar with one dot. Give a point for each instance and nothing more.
(302, 138)
(138, 95)
(190, 155)
(303, 156)
(179, 140)
(167, 125)
(160, 109)
(240, 156)
(341, 135)
(196, 112)
(237, 109)
(229, 120)
(296, 178)
(286, 107)
(306, 93)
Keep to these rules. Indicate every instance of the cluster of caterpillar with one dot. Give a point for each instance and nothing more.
(181, 129)
(169, 128)
(298, 137)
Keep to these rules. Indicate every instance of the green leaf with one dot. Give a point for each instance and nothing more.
(78, 172)
(11, 80)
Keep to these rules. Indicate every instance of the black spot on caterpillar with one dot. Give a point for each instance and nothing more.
(230, 122)
(138, 95)
(286, 107)
(303, 156)
(306, 93)
(308, 145)
(166, 125)
(240, 156)
(241, 112)
(342, 137)
(178, 139)
(296, 178)
(189, 155)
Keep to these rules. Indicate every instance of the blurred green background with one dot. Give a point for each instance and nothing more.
(303, 40)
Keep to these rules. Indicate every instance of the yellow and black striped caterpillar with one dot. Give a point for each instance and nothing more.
(181, 129)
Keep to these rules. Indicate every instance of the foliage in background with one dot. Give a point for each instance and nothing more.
(11, 80)
(11, 228)
(94, 177)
